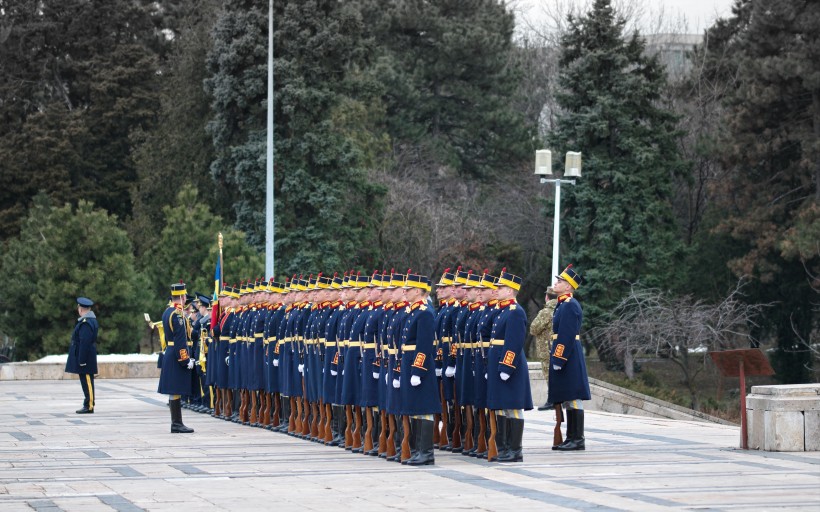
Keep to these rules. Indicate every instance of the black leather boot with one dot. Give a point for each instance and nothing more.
(424, 445)
(414, 440)
(177, 426)
(515, 434)
(576, 442)
(339, 412)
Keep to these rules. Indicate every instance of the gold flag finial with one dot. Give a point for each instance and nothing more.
(220, 241)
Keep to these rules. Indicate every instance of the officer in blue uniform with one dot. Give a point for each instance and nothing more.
(175, 377)
(568, 370)
(417, 382)
(508, 382)
(82, 354)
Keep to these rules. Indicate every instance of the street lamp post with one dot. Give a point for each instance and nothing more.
(572, 169)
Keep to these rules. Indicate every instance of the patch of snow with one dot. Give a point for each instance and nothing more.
(106, 358)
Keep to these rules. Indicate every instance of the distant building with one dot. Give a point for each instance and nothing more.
(673, 51)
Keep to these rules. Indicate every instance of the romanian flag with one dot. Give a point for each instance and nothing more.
(217, 289)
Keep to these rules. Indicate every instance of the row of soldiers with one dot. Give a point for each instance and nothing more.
(365, 362)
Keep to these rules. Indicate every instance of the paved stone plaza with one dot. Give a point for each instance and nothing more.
(124, 458)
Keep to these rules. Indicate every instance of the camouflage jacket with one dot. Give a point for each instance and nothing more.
(541, 328)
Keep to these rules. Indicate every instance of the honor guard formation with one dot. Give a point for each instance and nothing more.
(364, 362)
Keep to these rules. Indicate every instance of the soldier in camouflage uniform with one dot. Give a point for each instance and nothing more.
(541, 328)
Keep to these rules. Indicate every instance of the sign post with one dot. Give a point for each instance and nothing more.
(739, 363)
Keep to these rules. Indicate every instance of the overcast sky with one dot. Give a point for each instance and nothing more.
(699, 14)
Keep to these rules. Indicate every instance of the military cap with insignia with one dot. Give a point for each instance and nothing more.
(178, 289)
(571, 276)
(447, 278)
(509, 280)
(85, 302)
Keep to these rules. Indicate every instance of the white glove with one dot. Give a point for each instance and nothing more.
(438, 372)
(83, 364)
(275, 362)
(505, 376)
(343, 372)
(450, 371)
(485, 376)
(376, 375)
(415, 380)
(190, 364)
(334, 372)
(301, 368)
(556, 367)
(385, 378)
(228, 360)
(396, 383)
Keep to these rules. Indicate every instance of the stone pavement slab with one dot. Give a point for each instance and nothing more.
(124, 458)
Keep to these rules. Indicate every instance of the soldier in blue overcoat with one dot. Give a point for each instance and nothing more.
(484, 328)
(418, 383)
(568, 371)
(82, 354)
(508, 382)
(177, 363)
(329, 366)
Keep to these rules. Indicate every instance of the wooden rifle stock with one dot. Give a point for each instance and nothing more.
(328, 427)
(481, 442)
(557, 438)
(492, 447)
(405, 442)
(217, 394)
(443, 440)
(468, 429)
(383, 433)
(357, 432)
(348, 426)
(316, 413)
(391, 437)
(277, 409)
(292, 417)
(368, 434)
(456, 420)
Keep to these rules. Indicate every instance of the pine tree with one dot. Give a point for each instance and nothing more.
(76, 79)
(187, 250)
(769, 201)
(618, 221)
(449, 75)
(325, 207)
(60, 254)
(178, 150)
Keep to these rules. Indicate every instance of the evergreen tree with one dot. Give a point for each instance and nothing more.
(325, 207)
(187, 250)
(60, 254)
(768, 202)
(449, 77)
(178, 150)
(76, 79)
(618, 219)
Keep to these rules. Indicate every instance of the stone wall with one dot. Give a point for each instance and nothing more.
(56, 371)
(610, 398)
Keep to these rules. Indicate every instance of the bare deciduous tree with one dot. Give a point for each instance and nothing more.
(682, 329)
